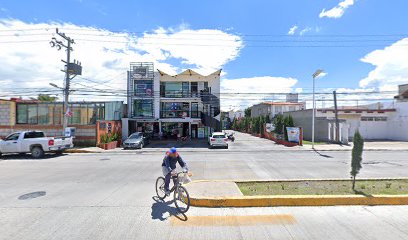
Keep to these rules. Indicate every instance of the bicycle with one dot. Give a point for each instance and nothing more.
(181, 196)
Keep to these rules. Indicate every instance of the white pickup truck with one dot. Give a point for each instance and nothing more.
(34, 142)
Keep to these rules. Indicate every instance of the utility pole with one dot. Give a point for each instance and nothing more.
(71, 70)
(315, 75)
(337, 136)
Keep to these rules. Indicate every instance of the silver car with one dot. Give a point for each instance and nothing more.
(218, 139)
(135, 140)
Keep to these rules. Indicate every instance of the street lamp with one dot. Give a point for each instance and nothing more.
(315, 75)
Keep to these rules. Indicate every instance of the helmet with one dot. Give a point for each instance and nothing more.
(173, 150)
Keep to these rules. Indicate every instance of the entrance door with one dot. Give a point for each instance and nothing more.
(194, 130)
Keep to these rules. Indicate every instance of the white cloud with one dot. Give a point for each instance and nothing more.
(305, 30)
(391, 67)
(243, 92)
(105, 55)
(292, 30)
(337, 11)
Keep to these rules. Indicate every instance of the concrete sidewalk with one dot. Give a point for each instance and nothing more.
(368, 146)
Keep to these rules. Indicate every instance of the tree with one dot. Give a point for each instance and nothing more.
(247, 112)
(278, 122)
(356, 156)
(262, 126)
(45, 98)
(287, 122)
(267, 119)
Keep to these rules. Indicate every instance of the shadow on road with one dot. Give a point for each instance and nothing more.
(322, 155)
(159, 208)
(23, 156)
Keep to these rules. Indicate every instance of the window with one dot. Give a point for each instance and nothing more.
(33, 135)
(144, 88)
(367, 119)
(380, 119)
(12, 137)
(32, 114)
(194, 110)
(194, 88)
(43, 114)
(175, 89)
(143, 108)
(175, 109)
(22, 113)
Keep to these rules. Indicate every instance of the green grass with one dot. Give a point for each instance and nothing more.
(324, 187)
(310, 143)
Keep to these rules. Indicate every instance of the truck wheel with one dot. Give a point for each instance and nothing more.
(37, 152)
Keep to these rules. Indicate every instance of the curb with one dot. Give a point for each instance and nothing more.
(299, 200)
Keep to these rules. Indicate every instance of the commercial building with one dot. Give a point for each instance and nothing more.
(21, 115)
(274, 108)
(171, 106)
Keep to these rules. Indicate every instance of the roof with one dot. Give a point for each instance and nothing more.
(190, 72)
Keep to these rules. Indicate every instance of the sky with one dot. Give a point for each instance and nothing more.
(261, 46)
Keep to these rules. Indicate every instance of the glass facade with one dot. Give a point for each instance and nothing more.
(143, 108)
(175, 109)
(52, 113)
(144, 88)
(180, 89)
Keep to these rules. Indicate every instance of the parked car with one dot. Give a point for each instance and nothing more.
(218, 139)
(34, 142)
(136, 140)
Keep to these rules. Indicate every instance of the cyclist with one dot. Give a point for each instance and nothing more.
(169, 167)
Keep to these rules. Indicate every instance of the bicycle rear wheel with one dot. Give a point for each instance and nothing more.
(182, 199)
(161, 194)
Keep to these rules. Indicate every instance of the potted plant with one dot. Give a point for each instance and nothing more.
(108, 141)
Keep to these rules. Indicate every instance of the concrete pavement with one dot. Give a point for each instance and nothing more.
(111, 196)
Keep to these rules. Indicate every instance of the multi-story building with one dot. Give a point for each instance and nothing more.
(274, 108)
(171, 106)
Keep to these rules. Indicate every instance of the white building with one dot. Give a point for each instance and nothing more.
(274, 108)
(236, 114)
(170, 106)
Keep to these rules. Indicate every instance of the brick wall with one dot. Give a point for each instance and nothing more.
(7, 113)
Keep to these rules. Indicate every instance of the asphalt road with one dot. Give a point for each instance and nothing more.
(111, 196)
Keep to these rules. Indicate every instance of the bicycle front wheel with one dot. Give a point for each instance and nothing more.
(182, 199)
(161, 194)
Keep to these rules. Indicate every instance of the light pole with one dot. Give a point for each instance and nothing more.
(315, 75)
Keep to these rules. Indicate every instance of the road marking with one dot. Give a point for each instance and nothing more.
(234, 220)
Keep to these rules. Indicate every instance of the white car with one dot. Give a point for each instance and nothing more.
(218, 139)
(34, 142)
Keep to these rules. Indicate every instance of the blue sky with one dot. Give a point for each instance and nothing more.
(248, 20)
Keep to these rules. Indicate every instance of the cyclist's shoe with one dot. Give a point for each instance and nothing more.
(167, 192)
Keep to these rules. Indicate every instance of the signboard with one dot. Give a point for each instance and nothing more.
(270, 127)
(293, 134)
(200, 133)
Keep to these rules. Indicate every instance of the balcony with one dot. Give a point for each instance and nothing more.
(179, 94)
(179, 114)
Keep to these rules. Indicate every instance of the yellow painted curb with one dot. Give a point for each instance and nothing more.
(298, 200)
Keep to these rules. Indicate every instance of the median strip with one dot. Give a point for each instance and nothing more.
(300, 193)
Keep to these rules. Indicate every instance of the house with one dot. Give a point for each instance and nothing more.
(172, 106)
(378, 121)
(236, 114)
(20, 115)
(274, 108)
